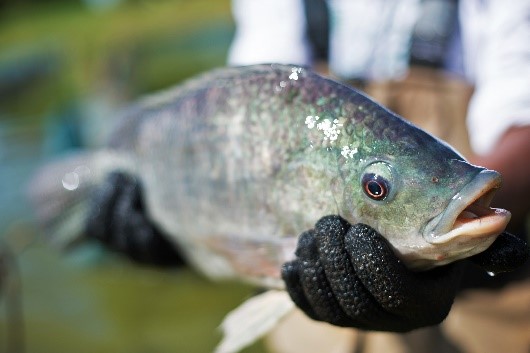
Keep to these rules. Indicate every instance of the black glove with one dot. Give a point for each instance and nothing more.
(506, 257)
(117, 218)
(348, 276)
(507, 253)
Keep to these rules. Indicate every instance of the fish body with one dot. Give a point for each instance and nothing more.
(237, 163)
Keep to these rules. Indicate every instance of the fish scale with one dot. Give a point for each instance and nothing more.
(237, 163)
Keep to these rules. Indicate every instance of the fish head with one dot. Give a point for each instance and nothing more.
(430, 203)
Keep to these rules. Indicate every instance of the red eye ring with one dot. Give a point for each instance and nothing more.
(375, 186)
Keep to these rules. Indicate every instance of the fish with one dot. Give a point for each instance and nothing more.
(235, 164)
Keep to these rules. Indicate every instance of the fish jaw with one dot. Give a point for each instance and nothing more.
(467, 226)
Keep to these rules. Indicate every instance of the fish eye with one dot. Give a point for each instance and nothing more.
(377, 181)
(375, 186)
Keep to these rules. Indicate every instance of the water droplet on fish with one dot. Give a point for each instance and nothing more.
(71, 181)
(491, 273)
(294, 73)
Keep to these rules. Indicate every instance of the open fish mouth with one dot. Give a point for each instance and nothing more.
(468, 218)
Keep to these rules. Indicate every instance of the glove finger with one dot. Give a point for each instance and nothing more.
(422, 297)
(135, 235)
(315, 284)
(102, 206)
(507, 253)
(120, 225)
(291, 277)
(354, 299)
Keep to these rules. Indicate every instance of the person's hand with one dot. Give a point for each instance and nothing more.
(507, 253)
(117, 219)
(348, 275)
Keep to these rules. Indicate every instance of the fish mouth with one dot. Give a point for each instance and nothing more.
(468, 217)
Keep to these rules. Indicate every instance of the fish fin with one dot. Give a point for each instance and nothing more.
(253, 319)
(60, 193)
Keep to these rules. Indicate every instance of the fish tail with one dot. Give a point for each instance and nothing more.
(60, 194)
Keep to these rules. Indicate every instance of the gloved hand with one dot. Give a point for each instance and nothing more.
(117, 218)
(348, 276)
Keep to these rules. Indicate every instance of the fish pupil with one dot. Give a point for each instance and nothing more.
(375, 186)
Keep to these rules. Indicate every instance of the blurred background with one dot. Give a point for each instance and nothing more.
(66, 68)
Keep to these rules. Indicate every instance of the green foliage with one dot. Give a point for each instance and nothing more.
(133, 48)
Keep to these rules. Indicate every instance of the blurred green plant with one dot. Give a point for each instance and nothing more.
(134, 47)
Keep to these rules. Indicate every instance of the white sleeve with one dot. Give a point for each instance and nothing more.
(269, 31)
(371, 38)
(496, 46)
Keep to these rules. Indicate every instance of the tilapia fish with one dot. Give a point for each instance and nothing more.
(238, 162)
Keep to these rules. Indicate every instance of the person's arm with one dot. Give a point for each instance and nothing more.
(511, 157)
(496, 46)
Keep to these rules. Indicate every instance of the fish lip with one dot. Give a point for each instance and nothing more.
(475, 198)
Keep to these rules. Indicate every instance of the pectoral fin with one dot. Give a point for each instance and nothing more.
(253, 319)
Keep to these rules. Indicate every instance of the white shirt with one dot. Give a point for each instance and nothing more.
(370, 39)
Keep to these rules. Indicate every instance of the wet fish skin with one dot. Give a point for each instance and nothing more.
(237, 163)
